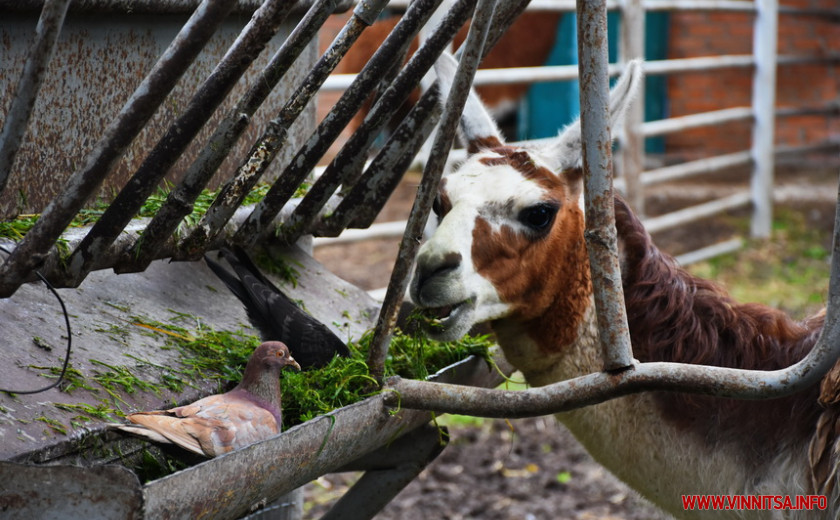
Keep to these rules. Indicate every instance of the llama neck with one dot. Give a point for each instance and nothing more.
(541, 365)
(632, 439)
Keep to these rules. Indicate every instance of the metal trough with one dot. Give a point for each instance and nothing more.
(363, 436)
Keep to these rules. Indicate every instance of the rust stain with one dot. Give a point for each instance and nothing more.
(99, 62)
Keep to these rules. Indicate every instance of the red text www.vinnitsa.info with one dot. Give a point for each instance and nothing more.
(754, 502)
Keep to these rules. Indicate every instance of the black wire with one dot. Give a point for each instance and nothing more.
(69, 340)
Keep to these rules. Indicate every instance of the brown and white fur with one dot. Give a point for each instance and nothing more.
(509, 250)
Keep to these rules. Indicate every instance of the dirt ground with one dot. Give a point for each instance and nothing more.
(534, 468)
(529, 469)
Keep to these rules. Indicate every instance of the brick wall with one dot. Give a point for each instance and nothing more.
(694, 34)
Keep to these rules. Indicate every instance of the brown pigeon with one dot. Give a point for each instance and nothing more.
(224, 422)
(274, 314)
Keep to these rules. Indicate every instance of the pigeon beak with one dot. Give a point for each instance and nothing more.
(292, 363)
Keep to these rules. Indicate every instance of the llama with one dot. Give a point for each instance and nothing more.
(510, 250)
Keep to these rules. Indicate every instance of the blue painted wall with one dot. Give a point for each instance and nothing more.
(548, 107)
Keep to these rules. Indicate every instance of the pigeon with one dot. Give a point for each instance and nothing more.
(221, 423)
(275, 315)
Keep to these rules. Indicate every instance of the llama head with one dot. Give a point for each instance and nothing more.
(510, 237)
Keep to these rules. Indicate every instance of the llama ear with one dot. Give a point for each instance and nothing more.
(477, 127)
(566, 151)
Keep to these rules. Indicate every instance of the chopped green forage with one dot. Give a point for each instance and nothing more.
(345, 381)
(17, 227)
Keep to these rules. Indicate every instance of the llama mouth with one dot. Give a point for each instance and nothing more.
(442, 318)
(439, 313)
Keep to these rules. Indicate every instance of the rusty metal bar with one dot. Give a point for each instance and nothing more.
(599, 387)
(266, 148)
(250, 43)
(350, 159)
(17, 119)
(600, 233)
(54, 269)
(473, 51)
(332, 125)
(179, 202)
(363, 436)
(362, 204)
(364, 201)
(116, 138)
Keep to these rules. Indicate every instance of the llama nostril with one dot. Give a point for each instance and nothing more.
(449, 262)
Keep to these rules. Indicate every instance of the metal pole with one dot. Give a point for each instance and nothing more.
(678, 377)
(600, 233)
(350, 159)
(369, 193)
(428, 186)
(633, 142)
(364, 201)
(764, 105)
(267, 147)
(382, 61)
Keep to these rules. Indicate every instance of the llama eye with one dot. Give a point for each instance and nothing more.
(436, 206)
(538, 217)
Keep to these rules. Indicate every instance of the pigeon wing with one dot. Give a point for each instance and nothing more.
(211, 426)
(275, 315)
(255, 307)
